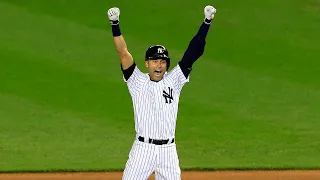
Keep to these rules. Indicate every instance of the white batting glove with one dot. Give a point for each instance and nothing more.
(114, 14)
(209, 12)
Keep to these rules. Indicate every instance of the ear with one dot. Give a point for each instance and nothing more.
(146, 63)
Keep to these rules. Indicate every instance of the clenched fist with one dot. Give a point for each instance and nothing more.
(209, 12)
(113, 14)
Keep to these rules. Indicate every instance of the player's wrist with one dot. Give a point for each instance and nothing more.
(116, 29)
(114, 22)
(207, 21)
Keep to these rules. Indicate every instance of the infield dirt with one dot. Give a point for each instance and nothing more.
(190, 175)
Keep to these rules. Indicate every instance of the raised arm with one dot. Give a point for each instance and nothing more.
(120, 44)
(198, 42)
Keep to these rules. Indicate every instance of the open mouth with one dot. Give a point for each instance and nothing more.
(157, 72)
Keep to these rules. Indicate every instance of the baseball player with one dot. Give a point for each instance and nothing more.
(155, 96)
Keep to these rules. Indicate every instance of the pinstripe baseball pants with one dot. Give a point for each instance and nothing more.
(145, 158)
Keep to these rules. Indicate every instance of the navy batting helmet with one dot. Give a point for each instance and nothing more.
(158, 52)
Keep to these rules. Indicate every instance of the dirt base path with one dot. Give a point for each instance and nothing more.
(214, 175)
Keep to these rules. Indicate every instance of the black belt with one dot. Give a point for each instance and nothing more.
(156, 141)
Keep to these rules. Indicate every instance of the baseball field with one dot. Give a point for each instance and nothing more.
(253, 101)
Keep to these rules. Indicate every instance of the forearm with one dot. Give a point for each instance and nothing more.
(121, 46)
(196, 46)
(118, 39)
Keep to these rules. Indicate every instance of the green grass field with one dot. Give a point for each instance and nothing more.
(253, 99)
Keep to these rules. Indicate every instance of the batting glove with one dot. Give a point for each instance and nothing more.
(209, 12)
(113, 14)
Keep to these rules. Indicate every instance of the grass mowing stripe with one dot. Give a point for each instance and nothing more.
(249, 121)
(67, 43)
(38, 78)
(76, 46)
(277, 100)
(183, 169)
(39, 137)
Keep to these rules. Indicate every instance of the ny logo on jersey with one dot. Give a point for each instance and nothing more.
(168, 95)
(160, 50)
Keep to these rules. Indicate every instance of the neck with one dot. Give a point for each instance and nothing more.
(153, 79)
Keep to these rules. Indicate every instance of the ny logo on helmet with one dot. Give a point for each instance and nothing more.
(160, 50)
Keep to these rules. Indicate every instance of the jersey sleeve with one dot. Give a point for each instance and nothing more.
(134, 79)
(178, 77)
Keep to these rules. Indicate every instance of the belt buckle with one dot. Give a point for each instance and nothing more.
(160, 141)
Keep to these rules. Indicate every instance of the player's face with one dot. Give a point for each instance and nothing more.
(156, 68)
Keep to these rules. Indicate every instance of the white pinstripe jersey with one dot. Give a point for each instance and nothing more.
(156, 103)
